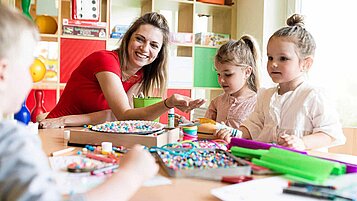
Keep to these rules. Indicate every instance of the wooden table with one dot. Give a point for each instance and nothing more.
(180, 189)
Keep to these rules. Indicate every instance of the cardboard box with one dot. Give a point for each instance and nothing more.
(181, 38)
(86, 136)
(211, 39)
(220, 2)
(84, 31)
(84, 23)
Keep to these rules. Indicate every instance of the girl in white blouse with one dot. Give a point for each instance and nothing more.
(293, 114)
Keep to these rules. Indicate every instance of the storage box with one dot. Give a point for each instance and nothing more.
(86, 136)
(119, 31)
(181, 38)
(241, 167)
(144, 102)
(221, 2)
(211, 39)
(84, 31)
(84, 23)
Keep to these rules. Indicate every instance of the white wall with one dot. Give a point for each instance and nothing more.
(261, 18)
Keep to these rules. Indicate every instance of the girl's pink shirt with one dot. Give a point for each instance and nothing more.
(231, 110)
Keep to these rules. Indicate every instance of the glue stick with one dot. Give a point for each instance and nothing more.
(171, 118)
(233, 131)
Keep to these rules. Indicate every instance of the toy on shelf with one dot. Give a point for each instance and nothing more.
(46, 24)
(86, 10)
(23, 115)
(25, 4)
(38, 70)
(39, 107)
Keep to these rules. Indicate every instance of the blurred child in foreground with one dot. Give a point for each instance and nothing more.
(24, 172)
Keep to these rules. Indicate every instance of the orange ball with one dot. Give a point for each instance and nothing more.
(46, 24)
(37, 70)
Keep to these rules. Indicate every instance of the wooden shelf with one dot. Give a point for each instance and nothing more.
(181, 16)
(45, 85)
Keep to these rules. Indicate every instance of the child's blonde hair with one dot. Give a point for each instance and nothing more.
(244, 51)
(12, 27)
(296, 33)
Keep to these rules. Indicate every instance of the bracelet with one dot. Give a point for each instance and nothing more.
(166, 104)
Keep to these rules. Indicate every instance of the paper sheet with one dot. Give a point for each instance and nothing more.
(260, 189)
(271, 189)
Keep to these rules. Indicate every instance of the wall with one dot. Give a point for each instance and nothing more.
(351, 143)
(261, 18)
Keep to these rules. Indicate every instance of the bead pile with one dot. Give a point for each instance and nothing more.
(202, 144)
(128, 127)
(201, 159)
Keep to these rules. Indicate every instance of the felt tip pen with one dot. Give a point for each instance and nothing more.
(100, 158)
(312, 186)
(311, 194)
(63, 151)
(327, 195)
(105, 170)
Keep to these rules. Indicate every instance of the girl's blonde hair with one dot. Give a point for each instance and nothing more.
(12, 27)
(244, 51)
(155, 74)
(296, 33)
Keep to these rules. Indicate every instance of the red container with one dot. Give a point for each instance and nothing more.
(221, 2)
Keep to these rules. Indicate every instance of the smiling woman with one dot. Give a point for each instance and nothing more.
(96, 90)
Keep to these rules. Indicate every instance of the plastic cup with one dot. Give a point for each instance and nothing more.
(144, 102)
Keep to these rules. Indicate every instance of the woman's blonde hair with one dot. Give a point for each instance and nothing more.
(155, 74)
(244, 51)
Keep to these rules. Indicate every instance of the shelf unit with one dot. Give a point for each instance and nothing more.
(182, 16)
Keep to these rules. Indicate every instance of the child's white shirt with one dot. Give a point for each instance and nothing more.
(301, 112)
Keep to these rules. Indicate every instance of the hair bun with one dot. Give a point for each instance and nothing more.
(295, 20)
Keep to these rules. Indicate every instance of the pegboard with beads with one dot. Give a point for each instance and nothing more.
(88, 10)
(196, 162)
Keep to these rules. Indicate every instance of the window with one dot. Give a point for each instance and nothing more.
(335, 64)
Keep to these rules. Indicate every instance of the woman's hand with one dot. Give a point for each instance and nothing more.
(184, 103)
(52, 123)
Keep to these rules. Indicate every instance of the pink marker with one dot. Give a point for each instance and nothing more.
(100, 158)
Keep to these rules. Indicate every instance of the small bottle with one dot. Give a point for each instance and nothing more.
(171, 118)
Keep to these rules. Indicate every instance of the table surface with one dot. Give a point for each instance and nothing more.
(181, 188)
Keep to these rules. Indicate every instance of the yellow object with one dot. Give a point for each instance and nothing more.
(37, 70)
(206, 120)
(51, 74)
(46, 24)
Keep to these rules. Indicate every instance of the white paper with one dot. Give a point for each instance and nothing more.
(260, 189)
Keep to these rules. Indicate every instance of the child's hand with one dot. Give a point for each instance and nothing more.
(52, 123)
(292, 141)
(140, 163)
(180, 120)
(223, 134)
